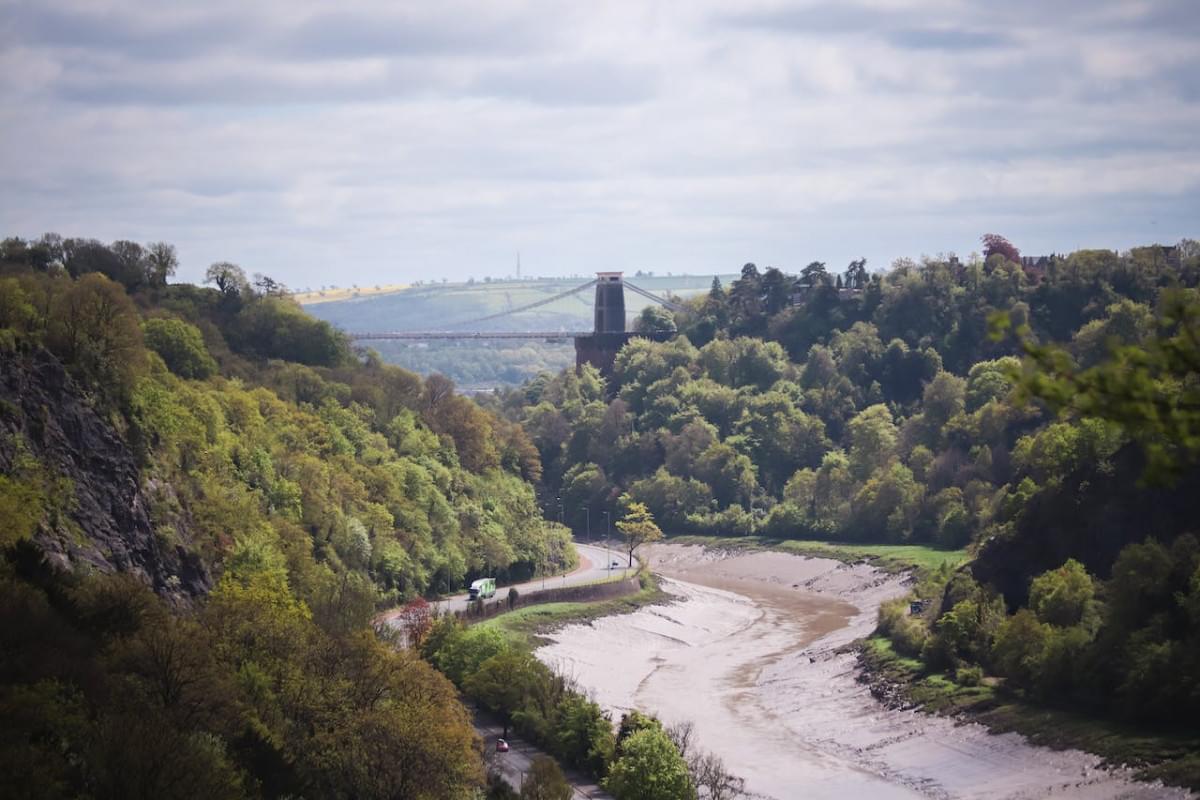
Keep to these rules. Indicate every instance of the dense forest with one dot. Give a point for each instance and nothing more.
(479, 365)
(1043, 413)
(205, 496)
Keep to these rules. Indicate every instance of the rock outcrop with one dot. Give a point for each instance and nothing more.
(105, 525)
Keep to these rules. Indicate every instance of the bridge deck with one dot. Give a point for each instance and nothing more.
(427, 335)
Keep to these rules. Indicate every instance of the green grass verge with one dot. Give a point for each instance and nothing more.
(888, 557)
(936, 693)
(526, 627)
(1172, 756)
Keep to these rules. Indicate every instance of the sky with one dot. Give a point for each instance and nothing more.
(381, 142)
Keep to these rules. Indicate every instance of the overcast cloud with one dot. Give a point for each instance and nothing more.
(369, 142)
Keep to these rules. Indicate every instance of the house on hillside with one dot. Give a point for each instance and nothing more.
(800, 292)
(1035, 266)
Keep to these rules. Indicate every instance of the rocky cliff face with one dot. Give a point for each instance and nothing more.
(105, 524)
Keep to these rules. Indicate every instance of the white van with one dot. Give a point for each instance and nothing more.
(482, 589)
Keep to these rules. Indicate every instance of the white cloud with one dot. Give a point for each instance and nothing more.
(386, 140)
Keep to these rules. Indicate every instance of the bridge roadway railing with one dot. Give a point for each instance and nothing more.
(358, 337)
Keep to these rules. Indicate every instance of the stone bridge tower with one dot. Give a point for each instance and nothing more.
(609, 335)
(610, 303)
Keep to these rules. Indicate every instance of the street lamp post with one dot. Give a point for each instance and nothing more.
(607, 535)
(588, 512)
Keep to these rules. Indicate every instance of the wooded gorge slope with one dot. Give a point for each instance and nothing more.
(205, 497)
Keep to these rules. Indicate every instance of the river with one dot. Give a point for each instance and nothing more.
(748, 651)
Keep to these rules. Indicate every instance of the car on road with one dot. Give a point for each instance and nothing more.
(501, 746)
(615, 565)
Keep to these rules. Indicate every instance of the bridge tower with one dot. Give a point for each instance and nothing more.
(600, 348)
(610, 303)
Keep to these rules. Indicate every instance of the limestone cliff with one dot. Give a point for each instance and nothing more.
(104, 523)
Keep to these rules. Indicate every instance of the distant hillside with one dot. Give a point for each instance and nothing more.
(345, 293)
(436, 306)
(439, 306)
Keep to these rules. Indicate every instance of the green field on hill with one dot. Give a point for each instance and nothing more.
(452, 306)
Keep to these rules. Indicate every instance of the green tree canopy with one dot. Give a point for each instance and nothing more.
(181, 347)
(649, 767)
(545, 781)
(1063, 596)
(503, 681)
(637, 526)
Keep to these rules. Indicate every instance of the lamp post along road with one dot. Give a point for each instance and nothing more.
(607, 536)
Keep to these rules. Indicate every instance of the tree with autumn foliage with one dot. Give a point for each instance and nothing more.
(995, 244)
(415, 621)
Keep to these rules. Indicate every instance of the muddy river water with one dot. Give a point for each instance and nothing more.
(748, 652)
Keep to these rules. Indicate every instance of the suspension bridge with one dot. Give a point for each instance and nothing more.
(598, 346)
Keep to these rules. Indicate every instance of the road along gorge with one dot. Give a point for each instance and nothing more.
(748, 652)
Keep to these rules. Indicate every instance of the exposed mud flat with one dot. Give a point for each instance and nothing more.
(748, 654)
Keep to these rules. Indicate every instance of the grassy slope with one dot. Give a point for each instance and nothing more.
(888, 557)
(345, 293)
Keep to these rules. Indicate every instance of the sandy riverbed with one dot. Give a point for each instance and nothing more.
(746, 652)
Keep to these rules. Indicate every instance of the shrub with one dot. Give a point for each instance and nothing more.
(1018, 647)
(969, 676)
(907, 633)
(545, 781)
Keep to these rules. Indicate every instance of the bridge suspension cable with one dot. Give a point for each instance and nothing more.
(446, 331)
(662, 301)
(519, 309)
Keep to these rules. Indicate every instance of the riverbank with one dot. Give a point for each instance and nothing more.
(901, 682)
(892, 558)
(530, 627)
(754, 652)
(1172, 756)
